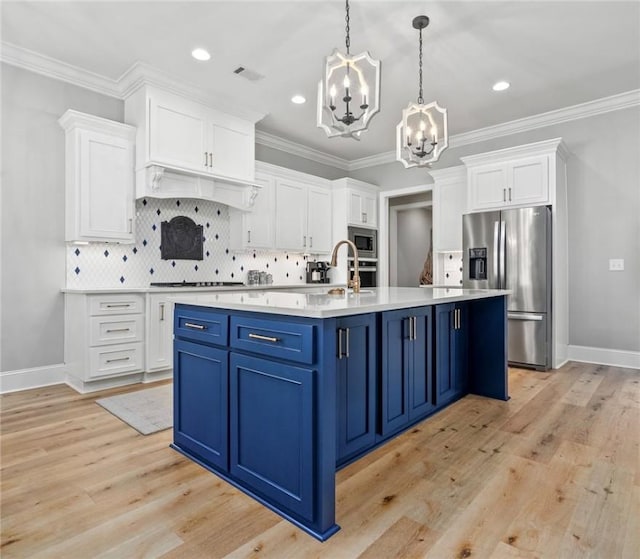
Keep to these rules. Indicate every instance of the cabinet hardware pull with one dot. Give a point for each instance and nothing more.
(364, 217)
(248, 237)
(118, 359)
(210, 159)
(340, 343)
(130, 225)
(346, 353)
(117, 330)
(504, 194)
(304, 240)
(205, 159)
(509, 194)
(264, 338)
(410, 319)
(161, 312)
(118, 305)
(310, 242)
(195, 326)
(415, 327)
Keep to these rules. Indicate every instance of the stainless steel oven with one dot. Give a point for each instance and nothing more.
(368, 270)
(366, 241)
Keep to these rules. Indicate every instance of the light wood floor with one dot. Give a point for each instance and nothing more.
(554, 472)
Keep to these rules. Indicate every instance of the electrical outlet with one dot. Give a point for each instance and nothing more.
(616, 265)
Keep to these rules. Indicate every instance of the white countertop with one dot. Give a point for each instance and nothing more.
(217, 288)
(316, 303)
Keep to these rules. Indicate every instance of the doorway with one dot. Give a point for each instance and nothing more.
(406, 224)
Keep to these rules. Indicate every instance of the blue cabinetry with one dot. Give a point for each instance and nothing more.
(271, 431)
(200, 389)
(356, 372)
(451, 352)
(407, 389)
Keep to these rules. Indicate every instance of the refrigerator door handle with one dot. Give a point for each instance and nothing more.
(496, 227)
(525, 316)
(503, 255)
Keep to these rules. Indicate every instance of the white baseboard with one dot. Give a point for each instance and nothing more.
(24, 379)
(602, 356)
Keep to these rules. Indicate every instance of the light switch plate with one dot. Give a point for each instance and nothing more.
(616, 264)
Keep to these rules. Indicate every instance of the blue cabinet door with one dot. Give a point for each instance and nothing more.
(421, 385)
(356, 369)
(407, 387)
(271, 432)
(451, 351)
(394, 393)
(200, 392)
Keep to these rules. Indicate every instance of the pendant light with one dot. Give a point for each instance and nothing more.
(349, 93)
(422, 135)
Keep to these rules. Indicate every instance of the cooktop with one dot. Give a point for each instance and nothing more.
(195, 283)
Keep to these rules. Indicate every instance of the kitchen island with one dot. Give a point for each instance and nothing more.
(275, 390)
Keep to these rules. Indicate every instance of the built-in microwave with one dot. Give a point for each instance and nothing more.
(366, 241)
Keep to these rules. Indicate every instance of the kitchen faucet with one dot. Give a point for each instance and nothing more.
(355, 282)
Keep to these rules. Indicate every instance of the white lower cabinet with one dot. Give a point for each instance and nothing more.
(159, 339)
(104, 338)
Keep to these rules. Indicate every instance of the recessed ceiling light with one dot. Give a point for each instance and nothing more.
(501, 86)
(298, 99)
(200, 54)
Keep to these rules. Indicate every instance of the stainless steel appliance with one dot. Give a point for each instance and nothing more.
(318, 272)
(366, 241)
(511, 249)
(368, 270)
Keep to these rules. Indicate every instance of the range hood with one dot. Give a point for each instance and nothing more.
(157, 181)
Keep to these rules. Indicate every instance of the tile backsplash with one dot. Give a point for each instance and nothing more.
(107, 265)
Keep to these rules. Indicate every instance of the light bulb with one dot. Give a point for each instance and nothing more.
(346, 82)
(423, 126)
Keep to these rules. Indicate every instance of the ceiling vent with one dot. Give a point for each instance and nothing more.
(248, 74)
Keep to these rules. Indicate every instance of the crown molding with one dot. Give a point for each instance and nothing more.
(271, 141)
(52, 68)
(616, 102)
(142, 74)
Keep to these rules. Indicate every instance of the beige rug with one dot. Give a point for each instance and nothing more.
(147, 411)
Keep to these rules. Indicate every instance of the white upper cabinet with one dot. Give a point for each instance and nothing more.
(187, 137)
(99, 194)
(449, 205)
(302, 213)
(520, 176)
(361, 201)
(363, 208)
(255, 229)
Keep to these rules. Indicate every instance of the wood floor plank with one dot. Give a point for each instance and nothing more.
(553, 472)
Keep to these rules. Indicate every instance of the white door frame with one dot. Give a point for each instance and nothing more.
(384, 229)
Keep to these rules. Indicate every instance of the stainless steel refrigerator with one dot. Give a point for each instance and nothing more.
(511, 249)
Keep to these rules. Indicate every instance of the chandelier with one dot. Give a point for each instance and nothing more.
(421, 136)
(349, 93)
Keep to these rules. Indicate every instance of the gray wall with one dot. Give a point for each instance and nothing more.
(283, 159)
(413, 236)
(32, 234)
(604, 219)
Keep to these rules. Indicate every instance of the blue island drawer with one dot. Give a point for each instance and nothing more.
(279, 339)
(201, 326)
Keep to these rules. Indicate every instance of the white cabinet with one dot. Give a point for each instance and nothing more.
(255, 229)
(159, 338)
(99, 194)
(302, 215)
(187, 137)
(104, 339)
(449, 205)
(363, 208)
(506, 178)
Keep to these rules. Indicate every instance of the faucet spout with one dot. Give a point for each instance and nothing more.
(355, 282)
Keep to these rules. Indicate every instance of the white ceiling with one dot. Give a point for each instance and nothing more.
(555, 54)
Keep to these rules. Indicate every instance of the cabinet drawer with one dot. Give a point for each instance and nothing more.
(115, 360)
(284, 340)
(105, 330)
(128, 303)
(203, 326)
